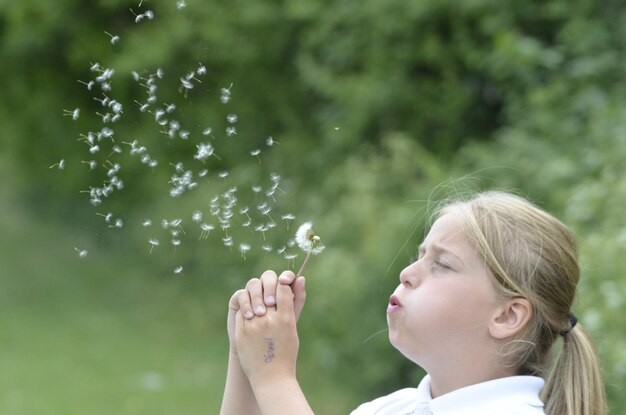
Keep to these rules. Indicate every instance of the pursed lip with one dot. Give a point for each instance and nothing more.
(394, 304)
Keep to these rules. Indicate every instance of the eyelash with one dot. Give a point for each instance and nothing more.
(437, 263)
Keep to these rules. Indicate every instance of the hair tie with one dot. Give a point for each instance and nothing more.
(572, 323)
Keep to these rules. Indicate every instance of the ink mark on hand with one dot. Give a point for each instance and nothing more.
(269, 346)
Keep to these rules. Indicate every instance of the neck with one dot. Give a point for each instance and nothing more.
(448, 379)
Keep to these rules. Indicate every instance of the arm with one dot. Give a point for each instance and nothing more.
(238, 396)
(267, 347)
(252, 301)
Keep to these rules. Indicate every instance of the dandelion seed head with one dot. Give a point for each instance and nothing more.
(307, 240)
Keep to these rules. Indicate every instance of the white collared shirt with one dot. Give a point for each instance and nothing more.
(515, 395)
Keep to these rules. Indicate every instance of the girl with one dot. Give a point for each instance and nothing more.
(480, 310)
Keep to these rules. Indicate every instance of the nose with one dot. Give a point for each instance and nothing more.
(408, 277)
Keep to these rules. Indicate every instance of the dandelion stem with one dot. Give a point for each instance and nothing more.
(305, 263)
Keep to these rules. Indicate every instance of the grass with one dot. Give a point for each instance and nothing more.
(98, 335)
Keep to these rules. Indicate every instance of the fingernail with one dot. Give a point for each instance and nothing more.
(269, 299)
(248, 314)
(259, 309)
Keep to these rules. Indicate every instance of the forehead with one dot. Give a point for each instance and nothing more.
(448, 233)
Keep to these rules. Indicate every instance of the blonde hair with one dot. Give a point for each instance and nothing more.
(531, 254)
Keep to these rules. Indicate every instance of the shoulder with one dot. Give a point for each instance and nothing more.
(393, 403)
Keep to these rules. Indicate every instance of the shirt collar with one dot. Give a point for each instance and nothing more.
(483, 397)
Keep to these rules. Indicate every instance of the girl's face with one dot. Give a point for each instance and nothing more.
(439, 313)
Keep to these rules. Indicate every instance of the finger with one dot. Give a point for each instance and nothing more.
(286, 278)
(240, 301)
(269, 281)
(255, 291)
(299, 293)
(284, 299)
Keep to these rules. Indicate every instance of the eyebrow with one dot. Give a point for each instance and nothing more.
(439, 248)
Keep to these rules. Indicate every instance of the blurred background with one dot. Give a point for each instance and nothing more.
(376, 111)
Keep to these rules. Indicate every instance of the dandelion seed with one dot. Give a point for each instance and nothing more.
(176, 242)
(267, 248)
(257, 189)
(243, 248)
(207, 131)
(158, 114)
(153, 243)
(180, 4)
(178, 270)
(225, 97)
(196, 216)
(183, 134)
(75, 113)
(204, 151)
(107, 218)
(270, 141)
(230, 131)
(94, 149)
(115, 149)
(95, 67)
(89, 84)
(231, 118)
(288, 218)
(255, 153)
(146, 223)
(149, 14)
(60, 165)
(206, 229)
(82, 253)
(222, 174)
(114, 38)
(91, 163)
(203, 173)
(290, 259)
(170, 108)
(228, 241)
(118, 223)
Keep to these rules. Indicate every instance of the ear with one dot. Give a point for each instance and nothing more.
(510, 317)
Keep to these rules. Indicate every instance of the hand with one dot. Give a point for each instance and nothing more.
(268, 345)
(259, 294)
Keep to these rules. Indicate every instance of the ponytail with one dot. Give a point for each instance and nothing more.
(575, 385)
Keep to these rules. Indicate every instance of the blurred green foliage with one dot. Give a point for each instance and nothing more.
(380, 108)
